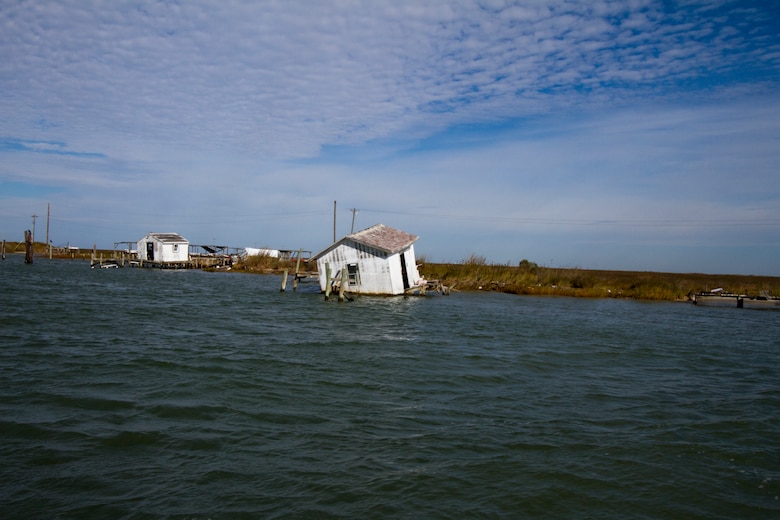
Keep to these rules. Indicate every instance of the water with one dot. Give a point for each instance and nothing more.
(131, 393)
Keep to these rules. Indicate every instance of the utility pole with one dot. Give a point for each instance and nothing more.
(334, 221)
(33, 229)
(353, 210)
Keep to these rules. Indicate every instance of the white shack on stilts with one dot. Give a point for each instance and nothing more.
(164, 249)
(378, 260)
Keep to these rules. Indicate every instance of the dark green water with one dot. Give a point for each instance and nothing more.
(131, 393)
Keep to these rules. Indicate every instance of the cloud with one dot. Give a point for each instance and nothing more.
(283, 79)
(620, 118)
(46, 147)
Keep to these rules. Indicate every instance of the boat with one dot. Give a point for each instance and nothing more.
(107, 264)
(760, 302)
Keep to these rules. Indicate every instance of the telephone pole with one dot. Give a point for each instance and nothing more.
(33, 229)
(353, 210)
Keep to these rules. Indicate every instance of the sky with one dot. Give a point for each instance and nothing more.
(636, 135)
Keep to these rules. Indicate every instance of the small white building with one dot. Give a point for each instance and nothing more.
(163, 248)
(262, 251)
(378, 260)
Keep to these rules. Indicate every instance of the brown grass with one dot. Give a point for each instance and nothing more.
(267, 264)
(529, 278)
(475, 273)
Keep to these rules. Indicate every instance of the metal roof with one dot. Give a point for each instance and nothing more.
(381, 237)
(384, 238)
(168, 237)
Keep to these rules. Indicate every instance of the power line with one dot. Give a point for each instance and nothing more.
(593, 222)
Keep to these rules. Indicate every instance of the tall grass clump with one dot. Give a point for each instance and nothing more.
(265, 264)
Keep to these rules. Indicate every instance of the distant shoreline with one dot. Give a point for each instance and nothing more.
(591, 283)
(526, 278)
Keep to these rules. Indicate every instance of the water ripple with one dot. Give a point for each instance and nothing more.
(141, 393)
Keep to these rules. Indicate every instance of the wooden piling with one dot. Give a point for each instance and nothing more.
(327, 281)
(343, 284)
(284, 281)
(3, 252)
(297, 270)
(28, 247)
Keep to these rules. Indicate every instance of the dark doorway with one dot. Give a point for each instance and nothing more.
(404, 273)
(150, 251)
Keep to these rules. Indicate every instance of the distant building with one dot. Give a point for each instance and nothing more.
(378, 260)
(163, 248)
(263, 251)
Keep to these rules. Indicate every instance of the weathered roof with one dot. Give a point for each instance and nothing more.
(384, 238)
(379, 236)
(168, 237)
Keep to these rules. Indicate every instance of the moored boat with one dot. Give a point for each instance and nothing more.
(760, 302)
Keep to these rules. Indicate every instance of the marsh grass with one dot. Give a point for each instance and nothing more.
(267, 264)
(529, 278)
(475, 273)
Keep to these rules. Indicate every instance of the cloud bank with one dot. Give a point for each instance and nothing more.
(636, 134)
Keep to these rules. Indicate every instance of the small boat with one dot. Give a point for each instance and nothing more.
(108, 264)
(760, 302)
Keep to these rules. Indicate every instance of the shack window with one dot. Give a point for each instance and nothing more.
(175, 248)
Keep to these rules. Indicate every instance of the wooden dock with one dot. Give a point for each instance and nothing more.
(122, 259)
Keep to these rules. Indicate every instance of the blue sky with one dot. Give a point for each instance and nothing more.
(636, 135)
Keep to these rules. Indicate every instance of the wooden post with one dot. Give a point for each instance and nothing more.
(3, 252)
(284, 281)
(297, 270)
(343, 284)
(48, 216)
(28, 247)
(327, 281)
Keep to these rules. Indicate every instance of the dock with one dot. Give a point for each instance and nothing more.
(218, 259)
(739, 301)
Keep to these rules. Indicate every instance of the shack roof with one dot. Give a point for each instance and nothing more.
(379, 236)
(384, 238)
(167, 238)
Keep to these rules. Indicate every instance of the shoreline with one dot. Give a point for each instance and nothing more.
(529, 279)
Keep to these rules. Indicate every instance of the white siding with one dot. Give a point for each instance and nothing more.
(163, 251)
(378, 273)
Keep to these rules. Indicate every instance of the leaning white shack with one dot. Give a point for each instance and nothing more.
(378, 260)
(163, 248)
